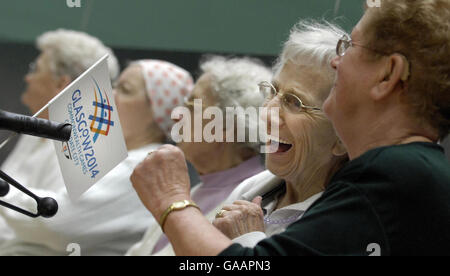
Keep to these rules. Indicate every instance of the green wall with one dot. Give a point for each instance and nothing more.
(232, 26)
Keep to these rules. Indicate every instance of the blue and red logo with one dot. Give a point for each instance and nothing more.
(101, 120)
(66, 150)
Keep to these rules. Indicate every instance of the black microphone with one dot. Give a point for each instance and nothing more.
(4, 188)
(35, 126)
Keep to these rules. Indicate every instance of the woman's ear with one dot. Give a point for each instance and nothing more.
(396, 72)
(339, 149)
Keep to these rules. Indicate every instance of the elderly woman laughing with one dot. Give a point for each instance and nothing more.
(309, 152)
(389, 106)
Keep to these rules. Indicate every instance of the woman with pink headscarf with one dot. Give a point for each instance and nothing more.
(146, 93)
(224, 83)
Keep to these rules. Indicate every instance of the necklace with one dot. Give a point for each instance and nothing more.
(288, 220)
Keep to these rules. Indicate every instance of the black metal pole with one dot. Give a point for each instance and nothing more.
(46, 207)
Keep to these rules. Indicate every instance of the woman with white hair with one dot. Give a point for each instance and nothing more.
(390, 106)
(109, 218)
(224, 83)
(309, 152)
(64, 55)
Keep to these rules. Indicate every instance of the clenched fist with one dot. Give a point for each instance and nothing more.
(162, 179)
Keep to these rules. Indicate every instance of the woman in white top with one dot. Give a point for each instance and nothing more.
(108, 218)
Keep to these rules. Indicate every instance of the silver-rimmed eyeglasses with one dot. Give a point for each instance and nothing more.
(346, 42)
(290, 101)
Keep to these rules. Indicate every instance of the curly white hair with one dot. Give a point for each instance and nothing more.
(234, 83)
(311, 42)
(72, 52)
(235, 80)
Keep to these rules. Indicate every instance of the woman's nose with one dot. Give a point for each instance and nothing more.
(273, 115)
(27, 78)
(273, 102)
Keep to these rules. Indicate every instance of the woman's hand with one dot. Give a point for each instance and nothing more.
(240, 218)
(162, 179)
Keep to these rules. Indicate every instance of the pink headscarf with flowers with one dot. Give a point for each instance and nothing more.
(167, 86)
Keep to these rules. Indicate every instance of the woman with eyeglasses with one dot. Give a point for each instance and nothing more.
(307, 152)
(224, 83)
(389, 106)
(302, 158)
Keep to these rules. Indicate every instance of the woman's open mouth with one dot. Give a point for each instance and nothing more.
(278, 145)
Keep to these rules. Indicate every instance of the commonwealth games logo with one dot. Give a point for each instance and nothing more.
(101, 120)
(66, 150)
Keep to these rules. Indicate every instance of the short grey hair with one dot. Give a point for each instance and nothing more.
(72, 52)
(312, 43)
(234, 83)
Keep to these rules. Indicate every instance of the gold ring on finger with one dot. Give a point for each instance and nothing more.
(220, 213)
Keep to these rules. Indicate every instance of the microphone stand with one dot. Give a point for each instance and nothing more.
(4, 188)
(46, 207)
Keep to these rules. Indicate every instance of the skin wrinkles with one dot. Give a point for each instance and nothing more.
(306, 165)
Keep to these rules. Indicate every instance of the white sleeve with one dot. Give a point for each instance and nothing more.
(250, 239)
(253, 183)
(108, 219)
(5, 231)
